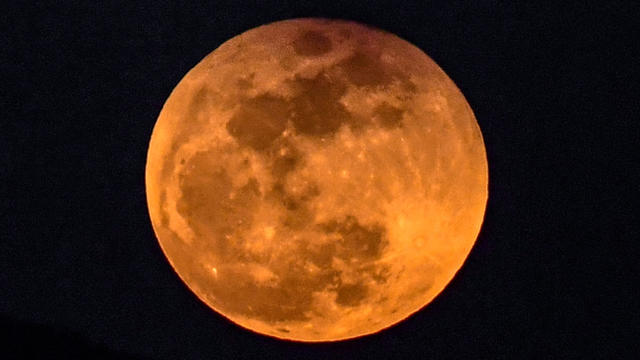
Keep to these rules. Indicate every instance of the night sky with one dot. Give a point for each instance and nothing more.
(82, 274)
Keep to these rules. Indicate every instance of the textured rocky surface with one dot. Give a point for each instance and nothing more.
(316, 180)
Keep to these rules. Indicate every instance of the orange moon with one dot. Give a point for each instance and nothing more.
(316, 180)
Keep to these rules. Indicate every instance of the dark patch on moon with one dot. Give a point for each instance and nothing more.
(207, 207)
(259, 121)
(221, 222)
(298, 214)
(379, 273)
(290, 299)
(322, 255)
(354, 243)
(409, 86)
(199, 102)
(356, 240)
(312, 43)
(211, 213)
(164, 216)
(388, 116)
(198, 105)
(316, 109)
(351, 294)
(365, 70)
(284, 157)
(246, 83)
(237, 292)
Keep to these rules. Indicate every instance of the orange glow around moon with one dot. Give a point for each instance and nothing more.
(316, 180)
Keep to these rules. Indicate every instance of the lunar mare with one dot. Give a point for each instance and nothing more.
(316, 180)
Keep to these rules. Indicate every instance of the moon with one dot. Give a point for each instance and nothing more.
(316, 180)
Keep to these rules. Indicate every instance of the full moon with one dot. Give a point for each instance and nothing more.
(316, 180)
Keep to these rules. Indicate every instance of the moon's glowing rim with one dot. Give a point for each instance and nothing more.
(440, 286)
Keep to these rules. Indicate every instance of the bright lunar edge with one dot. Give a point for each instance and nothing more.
(316, 180)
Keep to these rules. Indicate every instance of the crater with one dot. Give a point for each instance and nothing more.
(312, 43)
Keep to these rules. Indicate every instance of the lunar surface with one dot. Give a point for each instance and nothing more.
(316, 180)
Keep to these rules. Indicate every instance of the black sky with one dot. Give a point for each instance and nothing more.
(81, 273)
